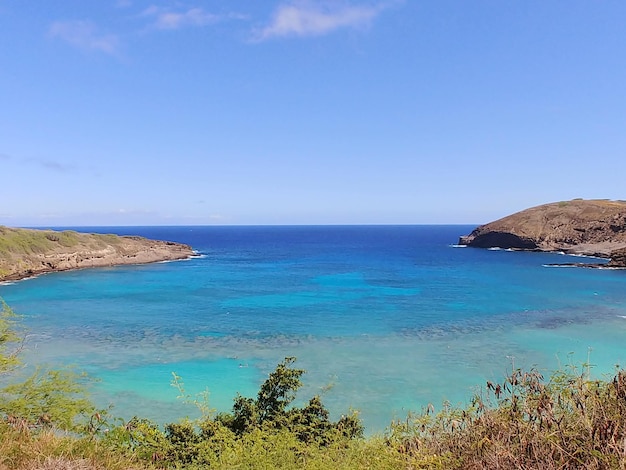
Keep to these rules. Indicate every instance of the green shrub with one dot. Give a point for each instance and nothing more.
(271, 410)
(570, 421)
(47, 398)
(267, 424)
(9, 339)
(44, 398)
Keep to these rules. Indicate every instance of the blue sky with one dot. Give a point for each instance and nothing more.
(129, 112)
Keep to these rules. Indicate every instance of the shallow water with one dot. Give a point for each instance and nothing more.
(384, 319)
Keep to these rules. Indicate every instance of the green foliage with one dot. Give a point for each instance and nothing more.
(21, 241)
(46, 397)
(271, 410)
(200, 401)
(67, 238)
(569, 421)
(9, 340)
(278, 391)
(244, 418)
(264, 432)
(15, 241)
(49, 449)
(267, 426)
(139, 438)
(524, 422)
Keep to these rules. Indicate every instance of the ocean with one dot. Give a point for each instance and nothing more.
(384, 319)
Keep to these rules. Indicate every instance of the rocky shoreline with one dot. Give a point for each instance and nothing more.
(26, 253)
(583, 227)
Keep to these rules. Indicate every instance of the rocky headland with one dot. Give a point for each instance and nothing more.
(28, 252)
(583, 227)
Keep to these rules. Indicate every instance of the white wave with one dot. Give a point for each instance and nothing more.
(583, 265)
(458, 246)
(172, 260)
(580, 255)
(34, 276)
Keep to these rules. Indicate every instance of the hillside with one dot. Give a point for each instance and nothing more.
(590, 227)
(28, 252)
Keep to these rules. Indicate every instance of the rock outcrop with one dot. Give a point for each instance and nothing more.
(27, 252)
(618, 259)
(588, 227)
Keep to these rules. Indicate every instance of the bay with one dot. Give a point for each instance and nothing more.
(385, 319)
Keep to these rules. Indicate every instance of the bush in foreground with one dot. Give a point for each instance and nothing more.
(257, 429)
(568, 422)
(525, 422)
(40, 398)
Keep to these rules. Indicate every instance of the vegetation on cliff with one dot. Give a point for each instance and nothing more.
(27, 252)
(524, 422)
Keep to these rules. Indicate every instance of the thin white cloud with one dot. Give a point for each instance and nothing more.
(52, 165)
(84, 35)
(315, 18)
(167, 19)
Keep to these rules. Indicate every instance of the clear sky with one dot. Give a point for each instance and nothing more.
(131, 112)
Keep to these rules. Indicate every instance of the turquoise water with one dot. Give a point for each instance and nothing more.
(385, 319)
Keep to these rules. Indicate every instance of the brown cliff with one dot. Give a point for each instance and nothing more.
(589, 227)
(28, 252)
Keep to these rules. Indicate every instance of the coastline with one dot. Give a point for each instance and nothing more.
(610, 259)
(27, 253)
(592, 228)
(261, 293)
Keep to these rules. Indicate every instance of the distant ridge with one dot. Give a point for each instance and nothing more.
(594, 227)
(29, 252)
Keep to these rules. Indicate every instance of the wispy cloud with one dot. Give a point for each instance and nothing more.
(51, 165)
(165, 18)
(315, 18)
(84, 35)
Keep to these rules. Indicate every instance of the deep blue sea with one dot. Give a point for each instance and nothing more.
(385, 319)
